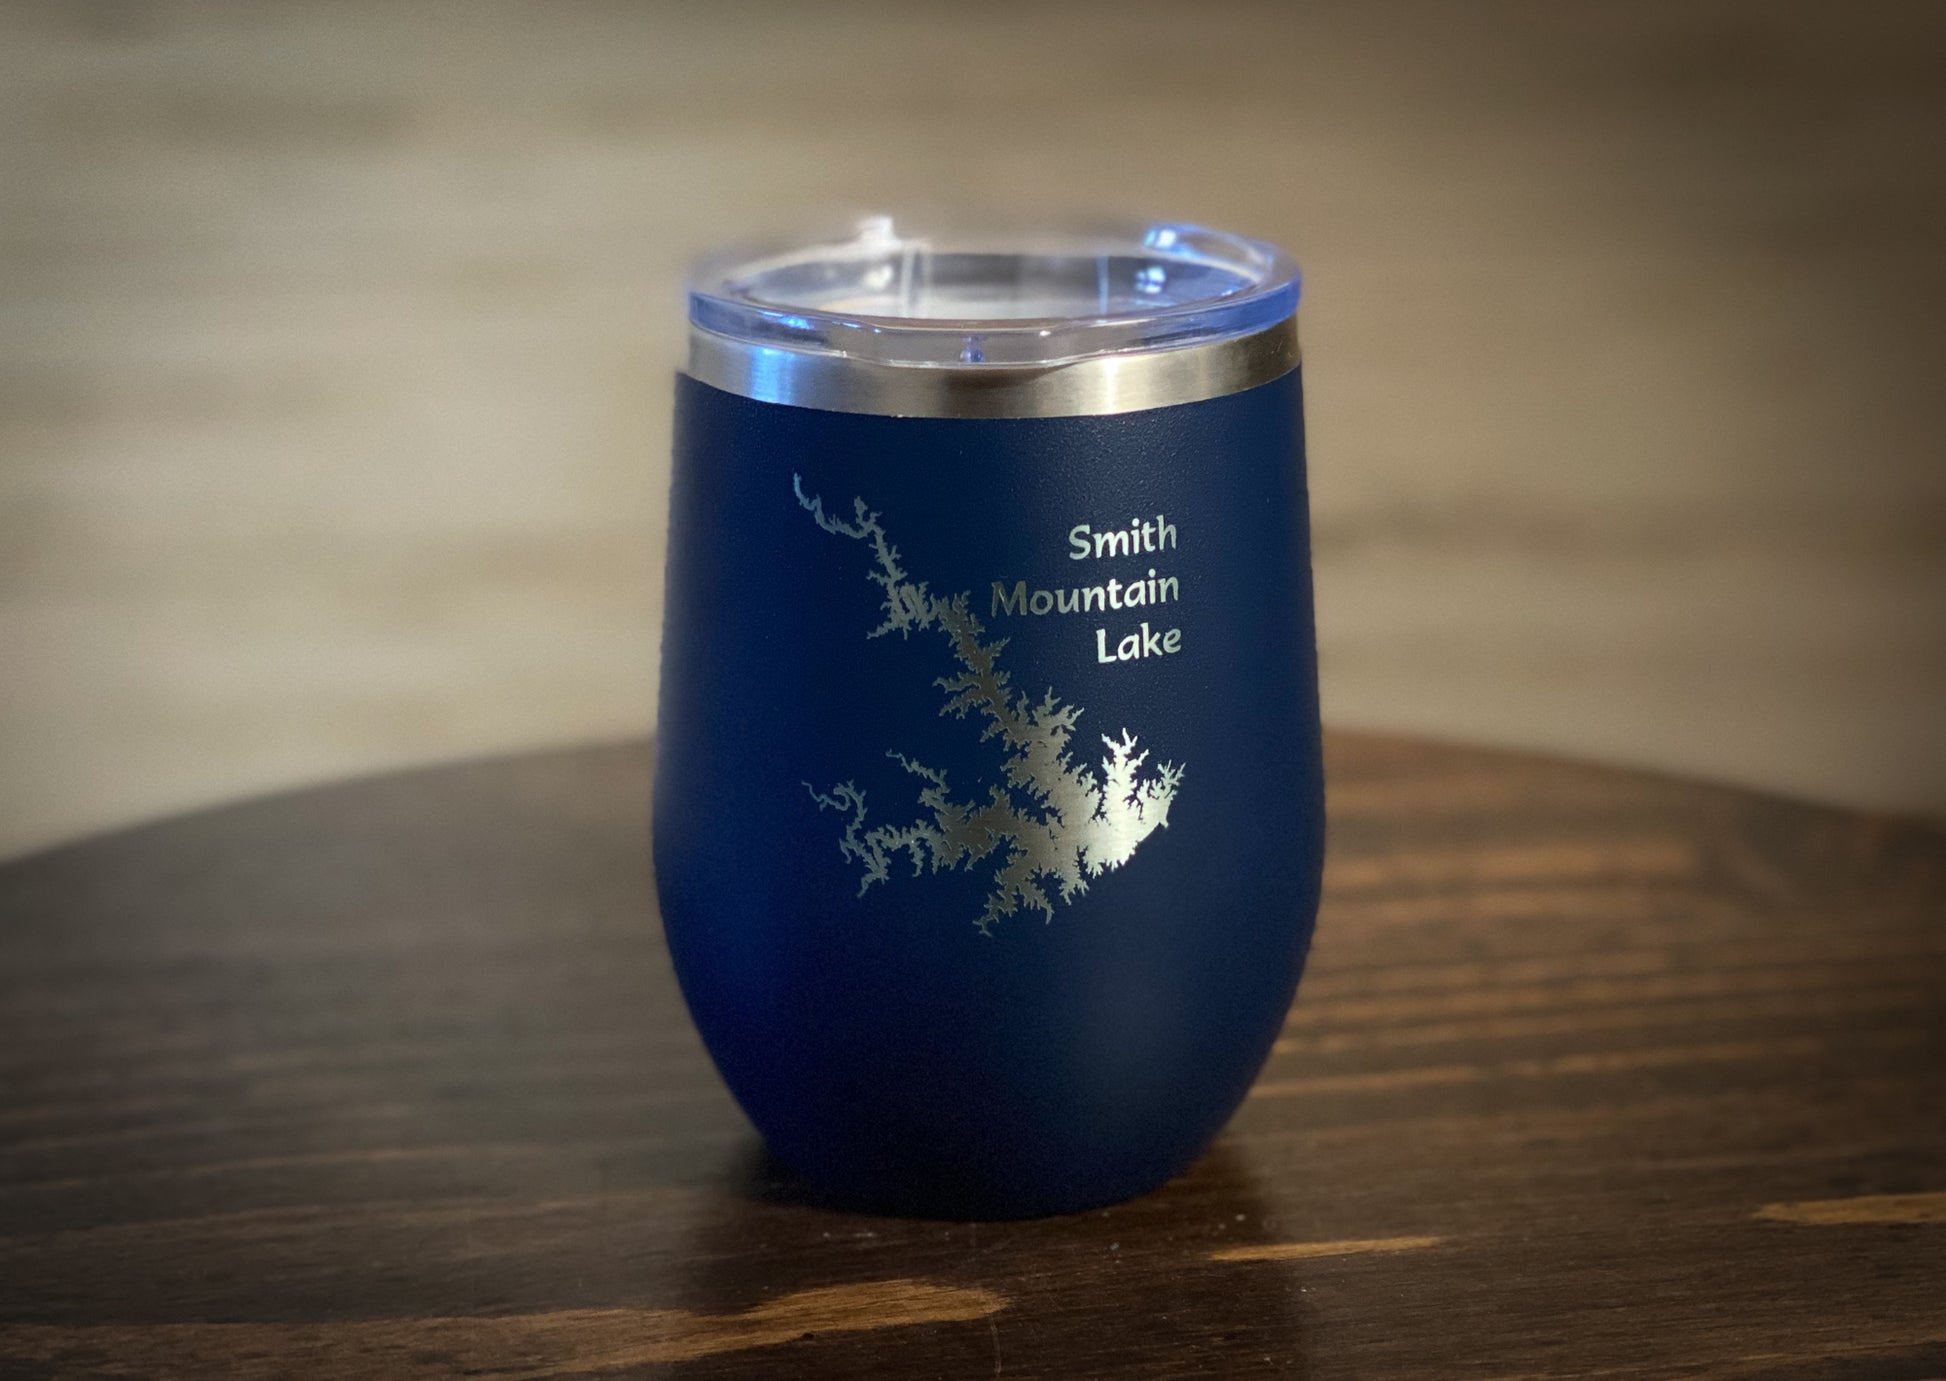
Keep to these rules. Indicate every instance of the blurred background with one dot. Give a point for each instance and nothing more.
(336, 342)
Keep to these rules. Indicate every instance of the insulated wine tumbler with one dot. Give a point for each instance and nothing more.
(988, 809)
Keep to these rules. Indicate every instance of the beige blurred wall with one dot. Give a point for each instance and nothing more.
(335, 344)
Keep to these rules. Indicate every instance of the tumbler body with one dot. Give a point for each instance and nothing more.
(989, 807)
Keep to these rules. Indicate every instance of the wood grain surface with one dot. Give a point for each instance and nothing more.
(1593, 1073)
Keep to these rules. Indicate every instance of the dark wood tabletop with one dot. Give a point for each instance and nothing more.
(1594, 1073)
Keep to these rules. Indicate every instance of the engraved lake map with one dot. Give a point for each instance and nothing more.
(1046, 824)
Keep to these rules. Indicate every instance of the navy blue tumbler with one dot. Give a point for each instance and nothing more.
(988, 810)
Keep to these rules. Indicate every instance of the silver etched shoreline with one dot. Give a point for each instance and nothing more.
(1047, 824)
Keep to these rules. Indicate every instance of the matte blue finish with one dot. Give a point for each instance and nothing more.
(889, 1049)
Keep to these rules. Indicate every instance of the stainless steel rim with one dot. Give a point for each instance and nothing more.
(1127, 382)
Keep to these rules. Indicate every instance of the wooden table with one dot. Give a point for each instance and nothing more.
(1593, 1072)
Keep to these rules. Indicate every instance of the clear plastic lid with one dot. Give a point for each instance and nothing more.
(917, 296)
(990, 315)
